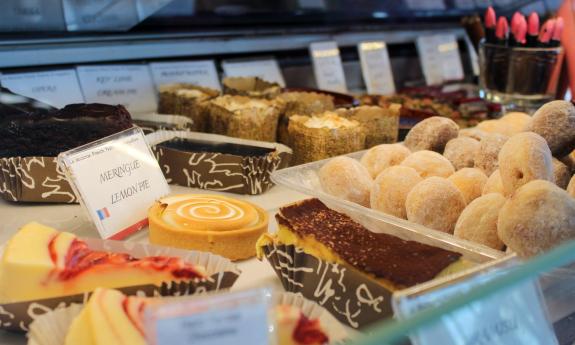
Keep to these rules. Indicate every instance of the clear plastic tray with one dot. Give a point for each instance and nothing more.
(304, 179)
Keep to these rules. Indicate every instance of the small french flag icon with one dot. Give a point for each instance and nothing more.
(103, 213)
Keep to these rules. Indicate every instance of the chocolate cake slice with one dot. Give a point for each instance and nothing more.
(47, 133)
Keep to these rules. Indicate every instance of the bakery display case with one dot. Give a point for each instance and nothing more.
(289, 172)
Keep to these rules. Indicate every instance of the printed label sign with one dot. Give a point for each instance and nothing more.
(235, 318)
(327, 66)
(376, 68)
(129, 85)
(202, 73)
(440, 59)
(266, 69)
(117, 179)
(57, 88)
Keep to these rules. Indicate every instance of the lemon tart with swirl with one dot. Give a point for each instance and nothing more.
(212, 223)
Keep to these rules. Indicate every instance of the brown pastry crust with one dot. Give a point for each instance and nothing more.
(404, 263)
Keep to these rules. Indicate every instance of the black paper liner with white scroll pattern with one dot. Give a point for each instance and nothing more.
(350, 296)
(217, 171)
(34, 179)
(222, 274)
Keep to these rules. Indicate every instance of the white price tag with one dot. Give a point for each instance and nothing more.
(233, 318)
(201, 73)
(376, 68)
(57, 88)
(515, 315)
(129, 85)
(117, 179)
(440, 59)
(38, 15)
(327, 66)
(266, 69)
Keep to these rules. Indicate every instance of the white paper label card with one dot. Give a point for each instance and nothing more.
(202, 73)
(129, 85)
(440, 59)
(266, 69)
(232, 318)
(376, 68)
(57, 88)
(515, 315)
(117, 179)
(327, 66)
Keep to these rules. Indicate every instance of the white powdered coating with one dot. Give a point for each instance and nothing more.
(461, 152)
(536, 218)
(470, 182)
(391, 188)
(523, 158)
(555, 122)
(561, 172)
(486, 158)
(346, 178)
(383, 156)
(429, 163)
(493, 184)
(431, 134)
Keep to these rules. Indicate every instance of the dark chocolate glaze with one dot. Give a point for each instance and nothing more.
(47, 133)
(403, 263)
(194, 145)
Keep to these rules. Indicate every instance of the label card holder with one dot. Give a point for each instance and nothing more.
(440, 59)
(57, 88)
(116, 179)
(376, 68)
(327, 66)
(264, 68)
(129, 85)
(509, 316)
(202, 73)
(233, 318)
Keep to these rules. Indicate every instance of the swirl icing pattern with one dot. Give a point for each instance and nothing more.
(218, 224)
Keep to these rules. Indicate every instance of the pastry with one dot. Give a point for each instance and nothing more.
(294, 328)
(323, 136)
(383, 156)
(244, 117)
(571, 187)
(486, 158)
(536, 218)
(461, 152)
(429, 163)
(336, 238)
(40, 262)
(493, 184)
(472, 133)
(215, 162)
(435, 203)
(496, 126)
(301, 103)
(209, 223)
(431, 134)
(191, 101)
(569, 161)
(390, 190)
(381, 125)
(109, 318)
(517, 122)
(524, 157)
(555, 122)
(561, 173)
(346, 178)
(470, 182)
(47, 133)
(478, 221)
(251, 87)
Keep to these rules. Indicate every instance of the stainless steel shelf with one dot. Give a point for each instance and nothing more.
(95, 49)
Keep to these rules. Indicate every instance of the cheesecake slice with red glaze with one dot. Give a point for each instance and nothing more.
(41, 262)
(294, 328)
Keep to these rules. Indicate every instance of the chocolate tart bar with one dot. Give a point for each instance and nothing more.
(301, 103)
(30, 142)
(244, 117)
(251, 87)
(319, 249)
(216, 162)
(323, 136)
(381, 125)
(187, 100)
